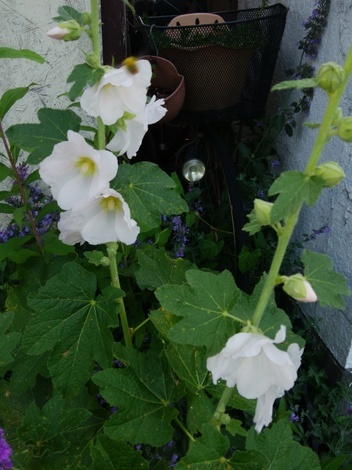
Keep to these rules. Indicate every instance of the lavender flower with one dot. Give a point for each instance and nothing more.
(294, 418)
(5, 452)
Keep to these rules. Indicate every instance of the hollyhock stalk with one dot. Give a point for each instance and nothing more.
(111, 247)
(291, 221)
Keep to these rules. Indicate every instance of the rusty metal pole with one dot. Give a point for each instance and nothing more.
(114, 31)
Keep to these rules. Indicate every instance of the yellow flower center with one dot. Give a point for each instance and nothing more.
(111, 204)
(86, 166)
(131, 64)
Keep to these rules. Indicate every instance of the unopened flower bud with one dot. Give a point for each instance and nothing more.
(331, 76)
(92, 60)
(66, 30)
(344, 131)
(331, 173)
(86, 18)
(299, 288)
(262, 211)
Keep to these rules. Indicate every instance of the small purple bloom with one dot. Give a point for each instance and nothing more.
(294, 418)
(5, 453)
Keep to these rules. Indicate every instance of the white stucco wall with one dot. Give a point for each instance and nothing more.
(335, 206)
(23, 25)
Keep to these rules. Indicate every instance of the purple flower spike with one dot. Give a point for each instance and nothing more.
(5, 453)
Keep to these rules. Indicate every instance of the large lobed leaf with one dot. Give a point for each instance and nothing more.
(110, 455)
(157, 268)
(149, 192)
(74, 325)
(327, 284)
(294, 188)
(280, 449)
(204, 305)
(144, 393)
(39, 139)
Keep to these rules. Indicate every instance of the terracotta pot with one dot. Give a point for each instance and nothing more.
(166, 76)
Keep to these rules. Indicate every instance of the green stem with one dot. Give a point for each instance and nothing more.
(221, 408)
(140, 325)
(290, 222)
(325, 127)
(115, 281)
(185, 430)
(270, 282)
(95, 37)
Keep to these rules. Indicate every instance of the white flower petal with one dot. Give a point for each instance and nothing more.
(76, 171)
(264, 409)
(258, 368)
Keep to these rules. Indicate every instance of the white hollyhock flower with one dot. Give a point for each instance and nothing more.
(69, 231)
(258, 368)
(129, 136)
(75, 171)
(102, 219)
(118, 90)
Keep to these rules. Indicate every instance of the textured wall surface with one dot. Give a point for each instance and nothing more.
(335, 206)
(23, 25)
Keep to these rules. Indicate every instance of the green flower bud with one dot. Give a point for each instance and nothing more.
(66, 31)
(330, 76)
(86, 18)
(331, 173)
(262, 211)
(299, 288)
(92, 60)
(344, 131)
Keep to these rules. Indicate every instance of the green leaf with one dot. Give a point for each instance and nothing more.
(329, 285)
(82, 75)
(248, 259)
(205, 304)
(189, 364)
(39, 139)
(6, 208)
(10, 97)
(110, 455)
(5, 172)
(144, 392)
(250, 460)
(25, 371)
(149, 193)
(10, 53)
(207, 452)
(297, 84)
(157, 268)
(14, 251)
(235, 427)
(335, 463)
(67, 13)
(294, 188)
(281, 450)
(74, 324)
(46, 428)
(253, 226)
(8, 341)
(200, 410)
(53, 245)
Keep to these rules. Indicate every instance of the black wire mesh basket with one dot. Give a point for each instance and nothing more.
(228, 66)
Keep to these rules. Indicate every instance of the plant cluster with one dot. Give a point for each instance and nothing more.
(115, 354)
